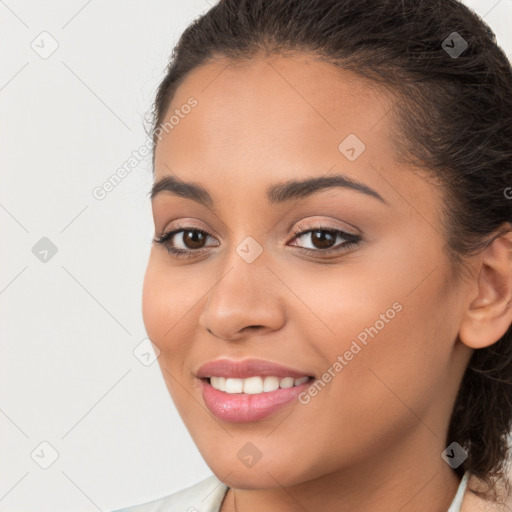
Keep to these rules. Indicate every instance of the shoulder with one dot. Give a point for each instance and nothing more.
(473, 502)
(204, 496)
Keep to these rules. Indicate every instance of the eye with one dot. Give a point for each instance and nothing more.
(323, 239)
(189, 238)
(184, 242)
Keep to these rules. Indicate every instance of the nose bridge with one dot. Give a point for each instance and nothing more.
(240, 297)
(246, 254)
(243, 272)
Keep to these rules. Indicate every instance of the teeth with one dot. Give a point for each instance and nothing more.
(252, 385)
(255, 385)
(218, 383)
(234, 385)
(287, 382)
(270, 384)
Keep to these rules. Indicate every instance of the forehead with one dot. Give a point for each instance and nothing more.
(271, 109)
(274, 119)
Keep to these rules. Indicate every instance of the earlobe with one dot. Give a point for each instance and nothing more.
(489, 314)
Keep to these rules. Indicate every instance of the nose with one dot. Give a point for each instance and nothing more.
(246, 299)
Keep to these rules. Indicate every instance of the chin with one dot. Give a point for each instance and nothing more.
(270, 475)
(252, 480)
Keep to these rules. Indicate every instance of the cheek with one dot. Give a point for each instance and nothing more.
(171, 301)
(395, 359)
(392, 327)
(164, 306)
(155, 304)
(161, 313)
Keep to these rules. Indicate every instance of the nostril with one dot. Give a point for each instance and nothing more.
(252, 327)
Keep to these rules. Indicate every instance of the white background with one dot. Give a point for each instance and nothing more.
(68, 375)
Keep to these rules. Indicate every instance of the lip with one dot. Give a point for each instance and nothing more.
(247, 368)
(244, 407)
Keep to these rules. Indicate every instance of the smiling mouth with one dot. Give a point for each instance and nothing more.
(255, 385)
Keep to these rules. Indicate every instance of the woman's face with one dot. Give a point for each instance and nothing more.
(370, 316)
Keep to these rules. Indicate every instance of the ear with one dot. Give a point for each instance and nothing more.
(489, 314)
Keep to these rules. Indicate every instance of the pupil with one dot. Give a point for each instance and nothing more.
(319, 237)
(192, 236)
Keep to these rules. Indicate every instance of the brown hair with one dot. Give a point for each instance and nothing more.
(455, 120)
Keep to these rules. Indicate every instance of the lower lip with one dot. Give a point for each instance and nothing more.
(243, 407)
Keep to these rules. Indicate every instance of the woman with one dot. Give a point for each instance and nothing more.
(330, 281)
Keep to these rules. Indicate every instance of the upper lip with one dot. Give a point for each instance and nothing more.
(246, 368)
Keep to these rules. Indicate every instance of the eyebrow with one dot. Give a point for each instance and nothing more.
(276, 194)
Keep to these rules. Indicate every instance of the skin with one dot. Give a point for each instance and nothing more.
(372, 439)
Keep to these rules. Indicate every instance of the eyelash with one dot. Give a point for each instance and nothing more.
(352, 240)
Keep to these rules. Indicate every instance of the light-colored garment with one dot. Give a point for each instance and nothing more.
(207, 496)
(459, 496)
